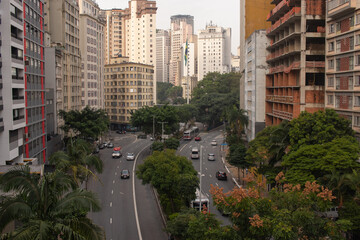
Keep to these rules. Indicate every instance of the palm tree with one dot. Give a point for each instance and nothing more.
(237, 119)
(77, 160)
(279, 142)
(342, 184)
(50, 207)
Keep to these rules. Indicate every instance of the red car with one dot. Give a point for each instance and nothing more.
(197, 138)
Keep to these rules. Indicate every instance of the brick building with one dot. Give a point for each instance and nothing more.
(296, 77)
(343, 60)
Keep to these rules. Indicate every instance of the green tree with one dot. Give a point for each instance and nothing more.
(186, 112)
(87, 124)
(318, 128)
(237, 121)
(311, 162)
(157, 146)
(172, 143)
(49, 207)
(174, 93)
(161, 91)
(78, 160)
(174, 177)
(237, 157)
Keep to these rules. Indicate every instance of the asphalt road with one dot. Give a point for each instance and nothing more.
(126, 214)
(209, 167)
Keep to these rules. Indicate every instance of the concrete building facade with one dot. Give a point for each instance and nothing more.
(12, 84)
(253, 16)
(128, 87)
(92, 54)
(62, 23)
(163, 52)
(255, 79)
(343, 60)
(35, 100)
(181, 29)
(214, 50)
(296, 78)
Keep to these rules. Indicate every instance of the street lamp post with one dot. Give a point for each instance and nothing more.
(200, 175)
(162, 130)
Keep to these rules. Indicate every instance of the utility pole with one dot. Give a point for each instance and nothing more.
(154, 128)
(162, 130)
(200, 176)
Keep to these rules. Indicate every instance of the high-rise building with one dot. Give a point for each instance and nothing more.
(12, 84)
(62, 23)
(214, 50)
(255, 78)
(253, 16)
(35, 101)
(343, 60)
(92, 54)
(128, 87)
(182, 29)
(162, 55)
(296, 78)
(114, 33)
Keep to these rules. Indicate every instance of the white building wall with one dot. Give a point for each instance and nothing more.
(255, 80)
(214, 50)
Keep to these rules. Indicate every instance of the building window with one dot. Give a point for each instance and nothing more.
(338, 26)
(337, 83)
(357, 60)
(338, 46)
(331, 28)
(330, 99)
(331, 64)
(331, 46)
(357, 101)
(357, 39)
(357, 80)
(338, 64)
(351, 63)
(330, 81)
(357, 121)
(351, 20)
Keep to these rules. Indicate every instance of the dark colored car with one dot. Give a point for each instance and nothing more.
(102, 146)
(125, 174)
(96, 150)
(119, 131)
(221, 175)
(197, 138)
(143, 136)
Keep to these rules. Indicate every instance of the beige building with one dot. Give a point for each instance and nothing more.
(128, 87)
(182, 29)
(92, 54)
(162, 55)
(114, 33)
(343, 60)
(62, 23)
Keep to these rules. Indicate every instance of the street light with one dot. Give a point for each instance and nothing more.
(200, 175)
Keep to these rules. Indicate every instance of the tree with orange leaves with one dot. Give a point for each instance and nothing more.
(288, 212)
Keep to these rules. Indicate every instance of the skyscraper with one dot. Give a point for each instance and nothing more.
(182, 28)
(162, 55)
(214, 50)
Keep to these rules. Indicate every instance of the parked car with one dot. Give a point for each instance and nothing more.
(213, 143)
(198, 138)
(110, 145)
(118, 131)
(142, 136)
(102, 146)
(221, 175)
(125, 174)
(211, 157)
(96, 150)
(223, 211)
(130, 156)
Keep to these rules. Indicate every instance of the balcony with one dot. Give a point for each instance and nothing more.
(282, 114)
(281, 99)
(19, 120)
(2, 124)
(17, 79)
(294, 13)
(283, 52)
(286, 69)
(279, 10)
(339, 8)
(19, 100)
(1, 103)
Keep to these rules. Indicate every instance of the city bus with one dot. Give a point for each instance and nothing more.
(204, 201)
(191, 133)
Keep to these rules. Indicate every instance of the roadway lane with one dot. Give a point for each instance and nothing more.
(118, 216)
(209, 167)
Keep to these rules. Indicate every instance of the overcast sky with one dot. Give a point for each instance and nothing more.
(224, 13)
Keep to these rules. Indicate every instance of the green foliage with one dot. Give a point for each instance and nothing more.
(237, 156)
(47, 207)
(172, 143)
(144, 117)
(78, 160)
(311, 162)
(174, 93)
(213, 93)
(157, 146)
(174, 177)
(237, 120)
(186, 112)
(87, 124)
(161, 90)
(318, 128)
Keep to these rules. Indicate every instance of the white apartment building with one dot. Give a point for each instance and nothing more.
(255, 82)
(92, 54)
(163, 52)
(12, 85)
(182, 29)
(214, 50)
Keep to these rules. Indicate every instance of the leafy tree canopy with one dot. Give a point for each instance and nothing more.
(172, 143)
(161, 89)
(87, 123)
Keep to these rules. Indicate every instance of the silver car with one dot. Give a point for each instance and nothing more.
(211, 157)
(130, 156)
(213, 143)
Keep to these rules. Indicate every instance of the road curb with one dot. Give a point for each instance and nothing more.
(159, 207)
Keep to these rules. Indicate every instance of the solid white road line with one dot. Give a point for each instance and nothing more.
(112, 191)
(110, 204)
(113, 181)
(115, 173)
(236, 183)
(134, 194)
(216, 184)
(210, 175)
(227, 169)
(110, 220)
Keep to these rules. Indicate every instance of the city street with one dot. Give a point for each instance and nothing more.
(209, 167)
(120, 216)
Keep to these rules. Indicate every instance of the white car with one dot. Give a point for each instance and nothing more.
(116, 154)
(211, 157)
(213, 143)
(130, 156)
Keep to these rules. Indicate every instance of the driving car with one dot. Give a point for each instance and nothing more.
(116, 154)
(125, 174)
(130, 156)
(110, 145)
(221, 175)
(213, 143)
(211, 157)
(198, 138)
